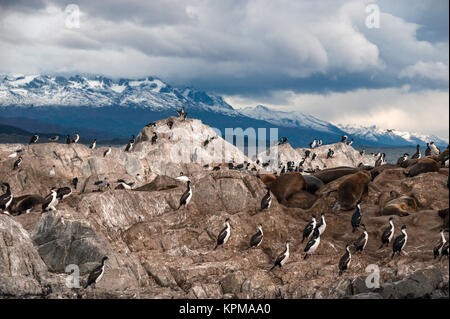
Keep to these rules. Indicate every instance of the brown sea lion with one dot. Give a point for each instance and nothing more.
(267, 178)
(331, 174)
(400, 206)
(352, 189)
(377, 170)
(25, 204)
(423, 165)
(287, 185)
(313, 183)
(408, 162)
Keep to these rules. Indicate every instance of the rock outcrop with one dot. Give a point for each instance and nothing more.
(157, 251)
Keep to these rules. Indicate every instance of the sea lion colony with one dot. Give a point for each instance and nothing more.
(284, 185)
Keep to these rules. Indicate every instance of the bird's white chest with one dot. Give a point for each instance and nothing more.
(286, 257)
(322, 228)
(9, 202)
(227, 236)
(392, 234)
(406, 240)
(101, 275)
(314, 246)
(188, 199)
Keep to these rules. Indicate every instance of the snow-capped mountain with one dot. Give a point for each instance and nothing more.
(389, 137)
(99, 91)
(97, 105)
(288, 119)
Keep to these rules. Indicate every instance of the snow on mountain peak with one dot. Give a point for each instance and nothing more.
(97, 91)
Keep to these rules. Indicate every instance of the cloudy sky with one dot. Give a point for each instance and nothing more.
(327, 58)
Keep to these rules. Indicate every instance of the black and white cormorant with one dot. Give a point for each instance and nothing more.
(434, 149)
(344, 138)
(402, 159)
(17, 163)
(257, 238)
(312, 244)
(154, 138)
(50, 201)
(129, 146)
(417, 154)
(266, 201)
(307, 153)
(309, 228)
(187, 196)
(322, 225)
(102, 183)
(107, 152)
(356, 217)
(438, 249)
(388, 233)
(170, 124)
(400, 242)
(345, 260)
(94, 143)
(68, 139)
(330, 153)
(53, 138)
(96, 275)
(6, 199)
(34, 138)
(361, 242)
(76, 138)
(224, 234)
(349, 143)
(282, 258)
(52, 172)
(75, 182)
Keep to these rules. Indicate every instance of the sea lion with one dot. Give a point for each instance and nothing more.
(400, 206)
(423, 165)
(287, 185)
(352, 189)
(267, 178)
(25, 204)
(331, 174)
(379, 169)
(408, 162)
(313, 183)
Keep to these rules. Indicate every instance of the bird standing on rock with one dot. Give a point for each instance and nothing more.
(96, 275)
(309, 228)
(68, 140)
(345, 260)
(356, 217)
(186, 197)
(50, 201)
(94, 143)
(224, 234)
(312, 244)
(361, 242)
(257, 238)
(282, 258)
(388, 233)
(6, 199)
(17, 163)
(400, 242)
(266, 200)
(438, 249)
(34, 138)
(76, 138)
(107, 152)
(154, 138)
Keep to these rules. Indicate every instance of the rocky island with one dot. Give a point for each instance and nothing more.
(126, 205)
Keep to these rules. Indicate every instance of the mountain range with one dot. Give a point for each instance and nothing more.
(104, 108)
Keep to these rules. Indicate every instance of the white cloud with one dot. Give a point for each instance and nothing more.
(437, 71)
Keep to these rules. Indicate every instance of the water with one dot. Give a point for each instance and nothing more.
(392, 153)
